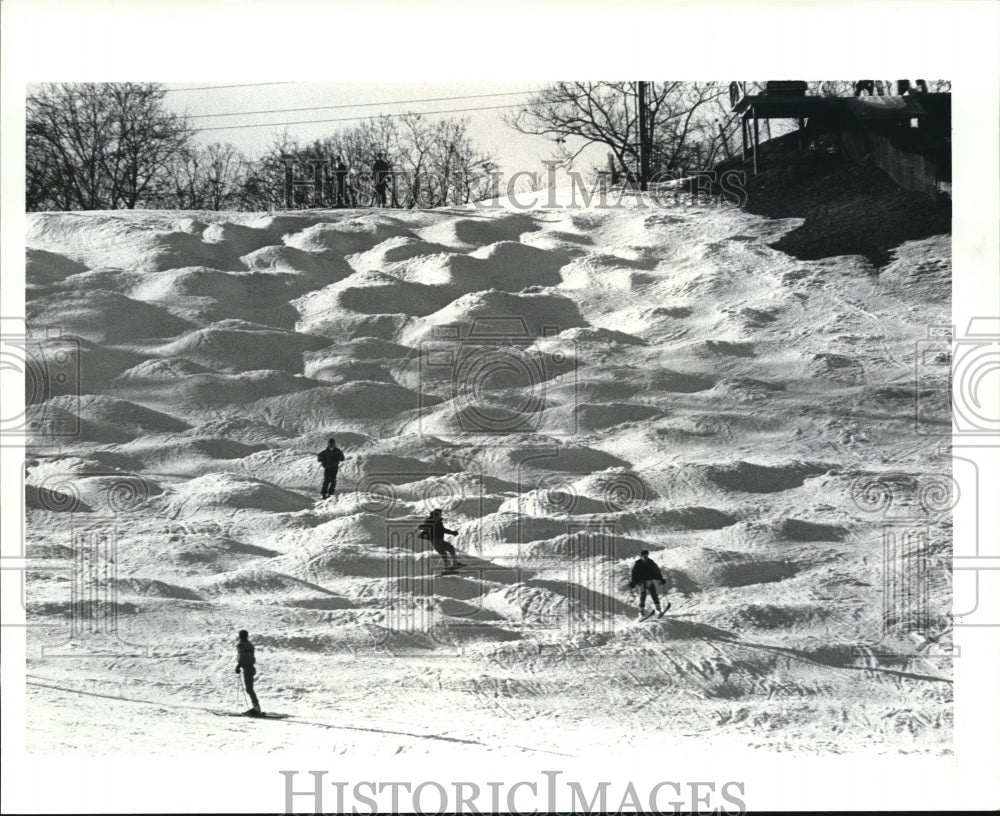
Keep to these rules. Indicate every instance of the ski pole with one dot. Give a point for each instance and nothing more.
(239, 688)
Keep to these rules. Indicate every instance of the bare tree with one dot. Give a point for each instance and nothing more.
(208, 178)
(433, 162)
(181, 188)
(224, 170)
(464, 173)
(605, 113)
(99, 146)
(442, 165)
(262, 185)
(417, 160)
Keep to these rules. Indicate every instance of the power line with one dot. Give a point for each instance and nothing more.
(293, 110)
(353, 118)
(165, 90)
(220, 87)
(359, 105)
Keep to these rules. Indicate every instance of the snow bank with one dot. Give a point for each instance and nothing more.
(240, 346)
(182, 385)
(500, 316)
(347, 236)
(233, 491)
(353, 405)
(121, 418)
(146, 243)
(471, 232)
(104, 317)
(43, 268)
(392, 251)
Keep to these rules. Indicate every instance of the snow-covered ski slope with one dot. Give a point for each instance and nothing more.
(571, 386)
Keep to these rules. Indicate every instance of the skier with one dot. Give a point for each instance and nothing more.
(380, 172)
(646, 574)
(330, 457)
(245, 660)
(432, 529)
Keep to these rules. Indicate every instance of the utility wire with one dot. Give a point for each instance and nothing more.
(220, 87)
(353, 118)
(167, 90)
(292, 110)
(359, 105)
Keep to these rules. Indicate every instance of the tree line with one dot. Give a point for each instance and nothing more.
(115, 145)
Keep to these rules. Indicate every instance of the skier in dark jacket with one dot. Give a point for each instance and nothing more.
(380, 172)
(645, 575)
(330, 458)
(246, 661)
(340, 175)
(432, 529)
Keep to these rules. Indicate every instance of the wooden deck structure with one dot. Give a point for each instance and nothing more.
(900, 132)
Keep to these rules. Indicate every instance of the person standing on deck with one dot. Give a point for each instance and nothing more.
(381, 170)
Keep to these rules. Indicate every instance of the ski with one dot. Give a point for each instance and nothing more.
(250, 715)
(264, 715)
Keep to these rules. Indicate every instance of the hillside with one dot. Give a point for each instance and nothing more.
(847, 208)
(571, 386)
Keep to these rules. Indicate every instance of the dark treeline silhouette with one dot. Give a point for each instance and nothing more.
(106, 146)
(95, 147)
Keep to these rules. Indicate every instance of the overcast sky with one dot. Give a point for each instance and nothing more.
(253, 131)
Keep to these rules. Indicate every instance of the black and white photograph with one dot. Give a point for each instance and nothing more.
(436, 417)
